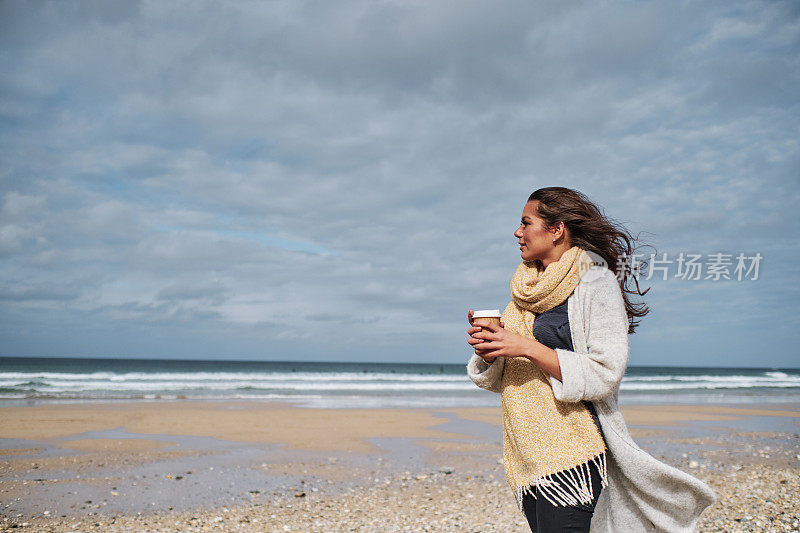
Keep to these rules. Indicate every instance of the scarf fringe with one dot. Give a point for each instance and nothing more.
(567, 488)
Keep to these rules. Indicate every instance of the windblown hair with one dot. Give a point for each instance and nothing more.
(590, 229)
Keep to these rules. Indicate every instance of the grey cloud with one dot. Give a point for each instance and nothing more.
(12, 238)
(213, 292)
(155, 312)
(20, 205)
(37, 293)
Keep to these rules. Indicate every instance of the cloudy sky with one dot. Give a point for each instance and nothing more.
(340, 180)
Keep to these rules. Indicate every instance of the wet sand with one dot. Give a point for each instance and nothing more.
(301, 429)
(273, 467)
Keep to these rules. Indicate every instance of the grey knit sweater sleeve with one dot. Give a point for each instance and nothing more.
(595, 375)
(486, 376)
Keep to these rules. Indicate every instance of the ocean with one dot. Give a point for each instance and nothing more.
(26, 381)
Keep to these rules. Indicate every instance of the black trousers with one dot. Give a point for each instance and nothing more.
(544, 517)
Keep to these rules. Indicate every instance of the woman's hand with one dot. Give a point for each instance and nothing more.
(472, 330)
(493, 341)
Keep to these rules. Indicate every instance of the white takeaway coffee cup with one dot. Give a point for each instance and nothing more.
(485, 317)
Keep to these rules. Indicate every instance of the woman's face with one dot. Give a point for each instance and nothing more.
(535, 242)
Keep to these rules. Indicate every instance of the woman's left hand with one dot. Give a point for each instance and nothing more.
(496, 341)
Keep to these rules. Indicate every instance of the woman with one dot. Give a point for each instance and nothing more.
(557, 360)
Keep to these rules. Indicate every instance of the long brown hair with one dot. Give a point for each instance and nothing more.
(591, 230)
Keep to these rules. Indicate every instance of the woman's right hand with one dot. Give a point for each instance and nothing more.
(472, 341)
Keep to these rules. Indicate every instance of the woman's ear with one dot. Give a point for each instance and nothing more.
(562, 232)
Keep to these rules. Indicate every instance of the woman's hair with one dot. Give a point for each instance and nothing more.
(591, 230)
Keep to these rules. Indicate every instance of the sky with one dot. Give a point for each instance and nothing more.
(340, 181)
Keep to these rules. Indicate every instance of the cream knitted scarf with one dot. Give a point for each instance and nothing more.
(546, 443)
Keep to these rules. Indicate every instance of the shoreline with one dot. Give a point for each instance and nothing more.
(159, 463)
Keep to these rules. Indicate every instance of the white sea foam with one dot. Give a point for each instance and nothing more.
(778, 375)
(64, 386)
(228, 376)
(400, 387)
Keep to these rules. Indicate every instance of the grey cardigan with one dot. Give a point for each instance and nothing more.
(644, 494)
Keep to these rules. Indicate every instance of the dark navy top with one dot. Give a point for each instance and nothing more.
(551, 328)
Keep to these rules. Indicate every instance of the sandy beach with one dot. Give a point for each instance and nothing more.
(226, 466)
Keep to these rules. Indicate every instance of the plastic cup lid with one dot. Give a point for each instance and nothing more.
(487, 313)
